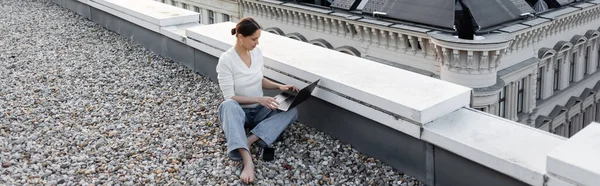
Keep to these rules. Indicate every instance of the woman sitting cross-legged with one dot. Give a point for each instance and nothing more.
(242, 82)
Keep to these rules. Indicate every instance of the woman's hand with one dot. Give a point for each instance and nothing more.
(268, 102)
(287, 87)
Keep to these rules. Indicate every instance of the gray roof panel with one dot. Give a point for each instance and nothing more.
(535, 22)
(320, 10)
(555, 14)
(430, 12)
(341, 14)
(487, 17)
(514, 28)
(594, 2)
(583, 5)
(564, 2)
(354, 17)
(411, 28)
(375, 5)
(372, 21)
(523, 6)
(345, 4)
(274, 1)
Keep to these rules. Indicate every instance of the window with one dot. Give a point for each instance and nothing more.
(173, 3)
(539, 83)
(557, 74)
(197, 9)
(569, 133)
(211, 17)
(572, 67)
(225, 18)
(520, 86)
(184, 6)
(585, 63)
(501, 101)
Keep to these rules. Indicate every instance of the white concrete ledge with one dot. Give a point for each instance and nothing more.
(505, 146)
(413, 96)
(578, 159)
(146, 13)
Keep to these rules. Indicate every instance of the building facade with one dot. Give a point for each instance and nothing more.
(211, 11)
(541, 70)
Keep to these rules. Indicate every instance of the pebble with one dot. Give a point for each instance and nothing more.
(80, 104)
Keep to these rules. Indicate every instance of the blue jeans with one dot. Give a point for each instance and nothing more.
(269, 124)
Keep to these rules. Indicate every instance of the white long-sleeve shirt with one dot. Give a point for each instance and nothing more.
(237, 79)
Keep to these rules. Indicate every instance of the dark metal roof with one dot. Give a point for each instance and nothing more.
(597, 87)
(572, 102)
(523, 6)
(557, 111)
(345, 4)
(440, 13)
(375, 5)
(504, 11)
(430, 12)
(541, 120)
(564, 2)
(486, 15)
(587, 92)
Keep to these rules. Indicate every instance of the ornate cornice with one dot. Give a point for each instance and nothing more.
(478, 56)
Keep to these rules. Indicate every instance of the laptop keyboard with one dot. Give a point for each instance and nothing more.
(289, 99)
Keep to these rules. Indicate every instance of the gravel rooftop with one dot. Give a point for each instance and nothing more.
(81, 105)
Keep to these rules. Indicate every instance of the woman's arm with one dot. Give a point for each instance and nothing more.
(268, 84)
(245, 99)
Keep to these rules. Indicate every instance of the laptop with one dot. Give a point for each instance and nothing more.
(290, 99)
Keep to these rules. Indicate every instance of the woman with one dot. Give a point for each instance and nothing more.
(241, 81)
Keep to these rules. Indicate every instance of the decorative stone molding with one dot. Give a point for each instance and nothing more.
(321, 43)
(349, 50)
(562, 46)
(545, 53)
(470, 56)
(578, 40)
(275, 30)
(395, 38)
(561, 24)
(296, 36)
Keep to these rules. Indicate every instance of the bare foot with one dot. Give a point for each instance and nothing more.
(251, 139)
(248, 172)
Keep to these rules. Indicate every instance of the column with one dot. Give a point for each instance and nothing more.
(548, 80)
(594, 56)
(513, 102)
(564, 71)
(592, 112)
(581, 119)
(508, 103)
(392, 41)
(579, 63)
(531, 93)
